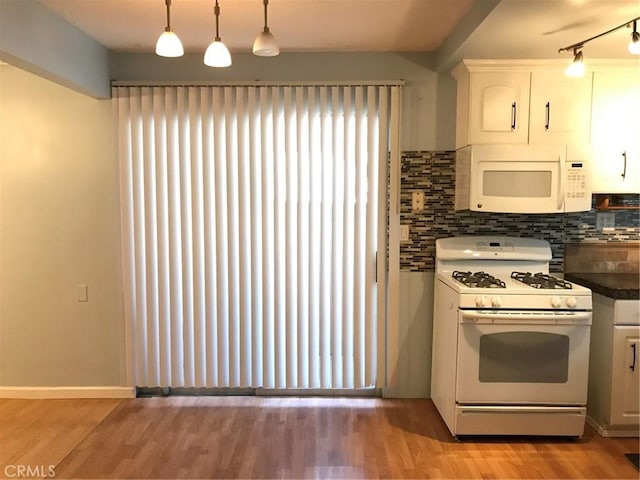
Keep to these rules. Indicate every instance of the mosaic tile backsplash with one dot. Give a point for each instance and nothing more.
(434, 174)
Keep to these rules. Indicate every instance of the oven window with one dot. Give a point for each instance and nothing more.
(524, 357)
(511, 183)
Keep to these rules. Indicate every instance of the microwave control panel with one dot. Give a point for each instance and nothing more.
(577, 195)
(577, 180)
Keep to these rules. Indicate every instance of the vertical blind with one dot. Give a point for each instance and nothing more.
(250, 222)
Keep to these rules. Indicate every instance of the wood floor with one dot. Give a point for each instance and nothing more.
(280, 437)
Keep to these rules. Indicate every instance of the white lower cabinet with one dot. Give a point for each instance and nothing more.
(625, 387)
(613, 405)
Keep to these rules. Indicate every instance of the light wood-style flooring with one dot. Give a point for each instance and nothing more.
(282, 437)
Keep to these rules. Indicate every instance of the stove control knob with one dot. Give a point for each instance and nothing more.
(572, 302)
(496, 301)
(556, 302)
(481, 301)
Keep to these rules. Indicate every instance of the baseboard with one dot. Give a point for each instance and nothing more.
(317, 392)
(609, 431)
(402, 393)
(67, 392)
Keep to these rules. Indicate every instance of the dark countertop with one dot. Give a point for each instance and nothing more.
(620, 286)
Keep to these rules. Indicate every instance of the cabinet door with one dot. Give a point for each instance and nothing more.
(560, 108)
(625, 387)
(499, 107)
(615, 132)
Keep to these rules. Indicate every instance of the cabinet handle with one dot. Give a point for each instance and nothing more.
(624, 165)
(513, 116)
(632, 367)
(547, 116)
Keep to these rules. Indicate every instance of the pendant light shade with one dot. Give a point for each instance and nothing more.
(576, 68)
(265, 44)
(168, 44)
(634, 43)
(217, 54)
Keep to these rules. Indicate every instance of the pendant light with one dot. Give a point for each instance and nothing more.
(576, 68)
(634, 43)
(217, 54)
(265, 44)
(168, 44)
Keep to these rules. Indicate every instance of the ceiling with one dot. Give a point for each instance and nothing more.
(512, 29)
(299, 25)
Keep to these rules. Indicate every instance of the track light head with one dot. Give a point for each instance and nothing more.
(634, 43)
(576, 68)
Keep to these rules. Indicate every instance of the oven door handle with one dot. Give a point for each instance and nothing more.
(555, 318)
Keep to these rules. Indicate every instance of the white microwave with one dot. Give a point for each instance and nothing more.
(520, 179)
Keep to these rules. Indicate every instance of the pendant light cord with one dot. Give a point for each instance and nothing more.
(266, 3)
(168, 3)
(216, 11)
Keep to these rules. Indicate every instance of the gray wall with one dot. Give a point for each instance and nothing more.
(428, 121)
(50, 339)
(59, 228)
(34, 39)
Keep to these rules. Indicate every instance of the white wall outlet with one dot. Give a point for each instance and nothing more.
(404, 233)
(417, 201)
(605, 221)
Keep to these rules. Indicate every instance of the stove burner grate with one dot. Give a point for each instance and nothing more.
(541, 280)
(478, 279)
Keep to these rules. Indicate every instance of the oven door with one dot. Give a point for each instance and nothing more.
(523, 357)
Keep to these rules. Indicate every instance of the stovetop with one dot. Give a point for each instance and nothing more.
(541, 280)
(477, 279)
(505, 273)
(483, 279)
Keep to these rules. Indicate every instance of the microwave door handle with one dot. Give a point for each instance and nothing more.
(561, 182)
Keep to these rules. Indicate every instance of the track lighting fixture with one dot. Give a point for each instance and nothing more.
(577, 66)
(168, 44)
(265, 44)
(217, 54)
(634, 43)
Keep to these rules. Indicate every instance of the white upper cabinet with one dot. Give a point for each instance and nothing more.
(499, 102)
(615, 131)
(498, 107)
(560, 108)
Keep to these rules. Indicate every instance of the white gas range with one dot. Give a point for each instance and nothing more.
(510, 341)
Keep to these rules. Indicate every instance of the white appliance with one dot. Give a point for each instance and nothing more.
(520, 179)
(510, 341)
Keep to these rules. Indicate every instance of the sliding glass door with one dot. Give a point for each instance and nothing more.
(250, 232)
